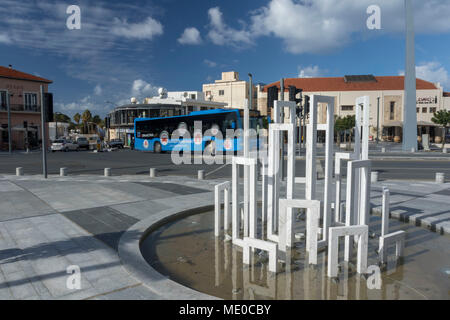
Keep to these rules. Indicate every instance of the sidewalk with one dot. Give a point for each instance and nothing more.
(48, 225)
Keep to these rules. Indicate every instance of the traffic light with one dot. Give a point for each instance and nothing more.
(48, 106)
(307, 105)
(107, 119)
(272, 95)
(293, 91)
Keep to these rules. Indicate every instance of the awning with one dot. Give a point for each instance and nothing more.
(393, 124)
(21, 128)
(426, 124)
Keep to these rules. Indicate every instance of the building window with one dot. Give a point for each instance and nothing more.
(417, 110)
(392, 111)
(208, 93)
(2, 100)
(433, 110)
(193, 96)
(424, 110)
(221, 92)
(347, 108)
(30, 101)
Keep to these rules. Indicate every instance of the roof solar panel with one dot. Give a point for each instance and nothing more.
(360, 78)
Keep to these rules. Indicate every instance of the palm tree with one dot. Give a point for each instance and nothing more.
(86, 117)
(442, 118)
(77, 118)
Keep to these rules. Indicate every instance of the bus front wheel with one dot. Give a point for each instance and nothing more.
(157, 147)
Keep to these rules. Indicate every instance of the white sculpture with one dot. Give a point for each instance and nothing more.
(278, 213)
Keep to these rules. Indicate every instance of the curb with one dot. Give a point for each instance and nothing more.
(133, 261)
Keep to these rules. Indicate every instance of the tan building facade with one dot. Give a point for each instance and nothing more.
(23, 90)
(386, 102)
(230, 90)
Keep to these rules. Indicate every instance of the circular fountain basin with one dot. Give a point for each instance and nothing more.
(186, 251)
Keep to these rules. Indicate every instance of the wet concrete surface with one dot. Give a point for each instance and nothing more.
(187, 251)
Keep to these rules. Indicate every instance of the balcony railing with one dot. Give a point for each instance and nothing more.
(21, 108)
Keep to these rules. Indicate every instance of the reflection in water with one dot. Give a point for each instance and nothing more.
(188, 252)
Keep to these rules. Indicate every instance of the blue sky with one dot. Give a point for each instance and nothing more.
(133, 48)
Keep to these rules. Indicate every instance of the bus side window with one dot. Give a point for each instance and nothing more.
(233, 125)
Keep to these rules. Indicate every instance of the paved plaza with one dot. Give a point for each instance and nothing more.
(49, 225)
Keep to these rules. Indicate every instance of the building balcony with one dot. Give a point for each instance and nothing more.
(21, 108)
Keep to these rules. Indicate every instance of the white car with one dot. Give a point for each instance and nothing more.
(64, 145)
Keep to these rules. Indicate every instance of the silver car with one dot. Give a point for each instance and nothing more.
(64, 145)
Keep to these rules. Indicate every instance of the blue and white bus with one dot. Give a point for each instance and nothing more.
(155, 134)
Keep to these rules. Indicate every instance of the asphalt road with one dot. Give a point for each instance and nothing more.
(135, 162)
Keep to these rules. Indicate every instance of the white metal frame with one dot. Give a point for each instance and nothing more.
(270, 247)
(312, 225)
(387, 238)
(362, 232)
(273, 216)
(250, 222)
(357, 215)
(311, 177)
(224, 188)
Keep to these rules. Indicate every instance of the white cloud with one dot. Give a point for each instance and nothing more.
(210, 63)
(310, 72)
(190, 36)
(433, 72)
(4, 38)
(324, 25)
(221, 34)
(142, 89)
(98, 90)
(144, 30)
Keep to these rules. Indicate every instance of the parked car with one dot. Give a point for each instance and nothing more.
(64, 145)
(116, 143)
(83, 143)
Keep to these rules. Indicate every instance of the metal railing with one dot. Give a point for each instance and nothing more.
(21, 108)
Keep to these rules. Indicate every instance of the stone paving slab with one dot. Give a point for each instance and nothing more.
(48, 225)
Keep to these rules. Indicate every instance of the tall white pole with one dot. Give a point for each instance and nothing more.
(409, 110)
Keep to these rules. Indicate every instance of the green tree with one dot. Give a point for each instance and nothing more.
(96, 119)
(60, 117)
(343, 124)
(77, 118)
(86, 117)
(442, 118)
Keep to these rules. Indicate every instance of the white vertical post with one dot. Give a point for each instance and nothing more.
(236, 212)
(385, 212)
(217, 218)
(246, 169)
(328, 165)
(227, 211)
(252, 199)
(349, 209)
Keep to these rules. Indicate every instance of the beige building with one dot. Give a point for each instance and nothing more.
(386, 98)
(230, 90)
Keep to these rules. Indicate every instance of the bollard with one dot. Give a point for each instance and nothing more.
(374, 177)
(152, 172)
(63, 172)
(201, 174)
(440, 177)
(19, 171)
(413, 150)
(444, 150)
(107, 172)
(383, 150)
